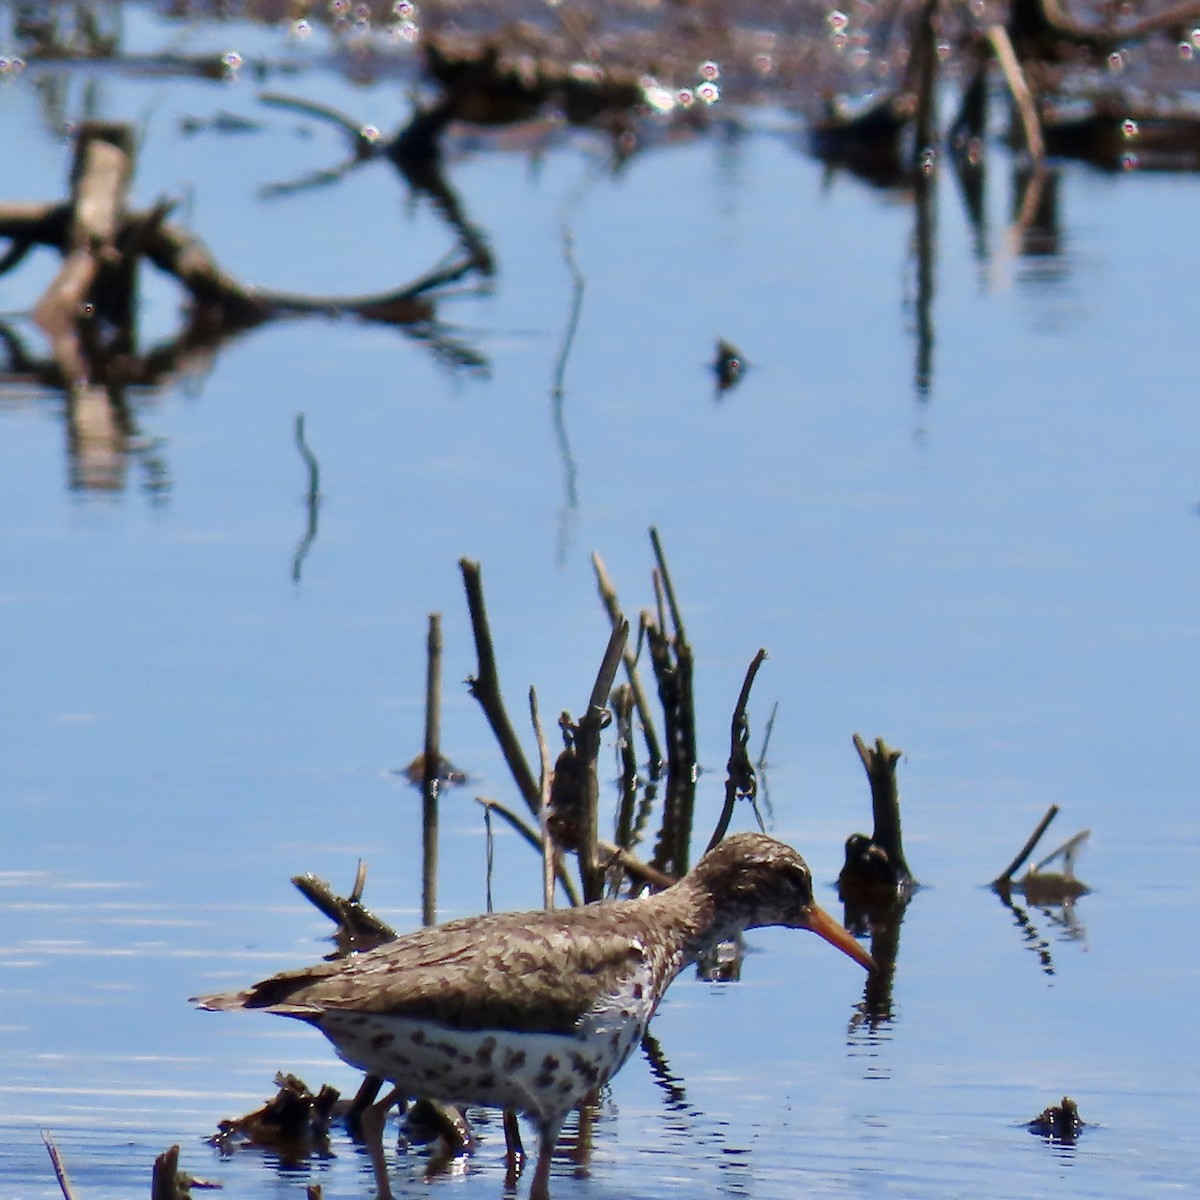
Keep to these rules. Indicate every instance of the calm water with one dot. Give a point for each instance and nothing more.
(998, 574)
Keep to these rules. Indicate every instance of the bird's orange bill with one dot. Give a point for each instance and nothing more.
(823, 925)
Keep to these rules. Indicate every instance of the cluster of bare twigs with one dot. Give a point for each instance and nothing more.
(564, 799)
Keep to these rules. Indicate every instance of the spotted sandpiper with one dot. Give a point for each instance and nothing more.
(531, 1011)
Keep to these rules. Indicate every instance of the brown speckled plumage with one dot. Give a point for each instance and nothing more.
(532, 1010)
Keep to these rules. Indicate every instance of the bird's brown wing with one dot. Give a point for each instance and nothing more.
(529, 971)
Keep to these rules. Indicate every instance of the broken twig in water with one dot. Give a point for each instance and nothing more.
(485, 687)
(60, 1170)
(1005, 876)
(1044, 888)
(357, 928)
(884, 848)
(294, 1124)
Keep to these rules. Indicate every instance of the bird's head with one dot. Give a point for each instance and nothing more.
(755, 881)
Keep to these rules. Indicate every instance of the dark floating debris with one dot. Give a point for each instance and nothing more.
(358, 929)
(447, 772)
(220, 122)
(729, 366)
(170, 1183)
(294, 1123)
(1060, 1124)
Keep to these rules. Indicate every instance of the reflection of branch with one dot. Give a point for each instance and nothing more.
(305, 183)
(557, 392)
(1031, 205)
(359, 135)
(1037, 943)
(1055, 16)
(414, 152)
(667, 1080)
(312, 499)
(761, 763)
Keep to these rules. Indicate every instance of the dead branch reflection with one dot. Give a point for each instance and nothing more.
(89, 313)
(312, 499)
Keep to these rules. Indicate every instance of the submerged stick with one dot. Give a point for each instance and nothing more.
(430, 782)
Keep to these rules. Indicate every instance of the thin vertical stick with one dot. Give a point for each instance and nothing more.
(739, 780)
(608, 594)
(312, 499)
(668, 586)
(548, 848)
(485, 686)
(490, 842)
(588, 732)
(429, 789)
